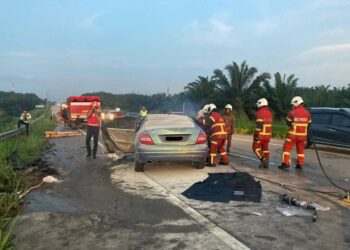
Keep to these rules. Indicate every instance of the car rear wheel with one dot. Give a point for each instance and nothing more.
(200, 165)
(139, 166)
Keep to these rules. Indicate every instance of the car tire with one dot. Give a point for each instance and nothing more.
(200, 165)
(139, 166)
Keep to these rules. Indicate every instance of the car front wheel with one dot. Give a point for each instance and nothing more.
(139, 166)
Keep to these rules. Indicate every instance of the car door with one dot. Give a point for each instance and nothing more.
(319, 128)
(340, 127)
(122, 133)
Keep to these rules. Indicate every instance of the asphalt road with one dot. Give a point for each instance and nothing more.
(104, 204)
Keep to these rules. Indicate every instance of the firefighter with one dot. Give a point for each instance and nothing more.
(25, 120)
(230, 122)
(298, 120)
(143, 112)
(217, 135)
(262, 133)
(93, 128)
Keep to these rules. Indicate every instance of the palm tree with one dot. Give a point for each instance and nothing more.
(200, 91)
(241, 86)
(285, 88)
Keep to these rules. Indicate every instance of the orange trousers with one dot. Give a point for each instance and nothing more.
(261, 148)
(216, 146)
(291, 140)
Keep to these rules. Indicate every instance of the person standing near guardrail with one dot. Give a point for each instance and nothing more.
(93, 128)
(25, 120)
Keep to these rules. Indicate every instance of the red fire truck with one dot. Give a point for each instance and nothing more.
(77, 108)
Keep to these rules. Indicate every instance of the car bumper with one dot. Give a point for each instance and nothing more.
(188, 153)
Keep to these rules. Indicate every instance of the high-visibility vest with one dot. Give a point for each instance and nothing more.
(143, 113)
(299, 118)
(263, 122)
(218, 128)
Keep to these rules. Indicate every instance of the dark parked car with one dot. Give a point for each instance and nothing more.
(330, 126)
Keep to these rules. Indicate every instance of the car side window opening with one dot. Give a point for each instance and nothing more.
(320, 118)
(340, 120)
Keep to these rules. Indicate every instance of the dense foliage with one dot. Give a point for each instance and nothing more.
(240, 85)
(12, 104)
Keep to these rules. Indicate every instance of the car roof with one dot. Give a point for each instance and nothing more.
(154, 121)
(330, 109)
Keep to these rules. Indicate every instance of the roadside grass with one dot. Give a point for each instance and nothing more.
(245, 126)
(25, 150)
(8, 123)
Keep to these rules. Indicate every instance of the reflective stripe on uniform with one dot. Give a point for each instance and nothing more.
(300, 155)
(217, 125)
(297, 134)
(213, 142)
(212, 118)
(223, 153)
(288, 140)
(212, 156)
(219, 133)
(259, 120)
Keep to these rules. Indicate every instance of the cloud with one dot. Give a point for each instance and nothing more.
(328, 64)
(90, 22)
(333, 48)
(214, 31)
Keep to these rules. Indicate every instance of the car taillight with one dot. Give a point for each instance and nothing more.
(146, 139)
(202, 138)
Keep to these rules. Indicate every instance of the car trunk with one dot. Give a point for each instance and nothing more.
(174, 136)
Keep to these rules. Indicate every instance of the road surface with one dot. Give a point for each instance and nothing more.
(104, 204)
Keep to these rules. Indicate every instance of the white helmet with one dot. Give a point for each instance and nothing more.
(229, 106)
(262, 102)
(296, 101)
(206, 108)
(200, 114)
(117, 110)
(212, 106)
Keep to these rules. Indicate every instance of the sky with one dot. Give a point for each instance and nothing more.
(61, 48)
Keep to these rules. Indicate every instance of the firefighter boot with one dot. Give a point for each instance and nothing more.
(283, 166)
(265, 163)
(299, 167)
(262, 163)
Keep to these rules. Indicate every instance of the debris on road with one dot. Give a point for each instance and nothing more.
(293, 211)
(224, 187)
(59, 134)
(50, 179)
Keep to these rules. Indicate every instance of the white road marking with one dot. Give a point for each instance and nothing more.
(249, 158)
(239, 139)
(99, 143)
(213, 228)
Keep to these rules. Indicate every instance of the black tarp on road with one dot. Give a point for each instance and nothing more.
(224, 187)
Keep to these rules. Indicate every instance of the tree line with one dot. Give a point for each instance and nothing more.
(237, 84)
(12, 104)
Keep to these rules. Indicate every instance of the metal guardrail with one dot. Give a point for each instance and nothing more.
(6, 135)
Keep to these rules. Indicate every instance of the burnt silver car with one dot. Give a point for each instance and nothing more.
(158, 138)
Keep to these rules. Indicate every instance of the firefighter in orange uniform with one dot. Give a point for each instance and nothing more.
(298, 120)
(262, 134)
(217, 136)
